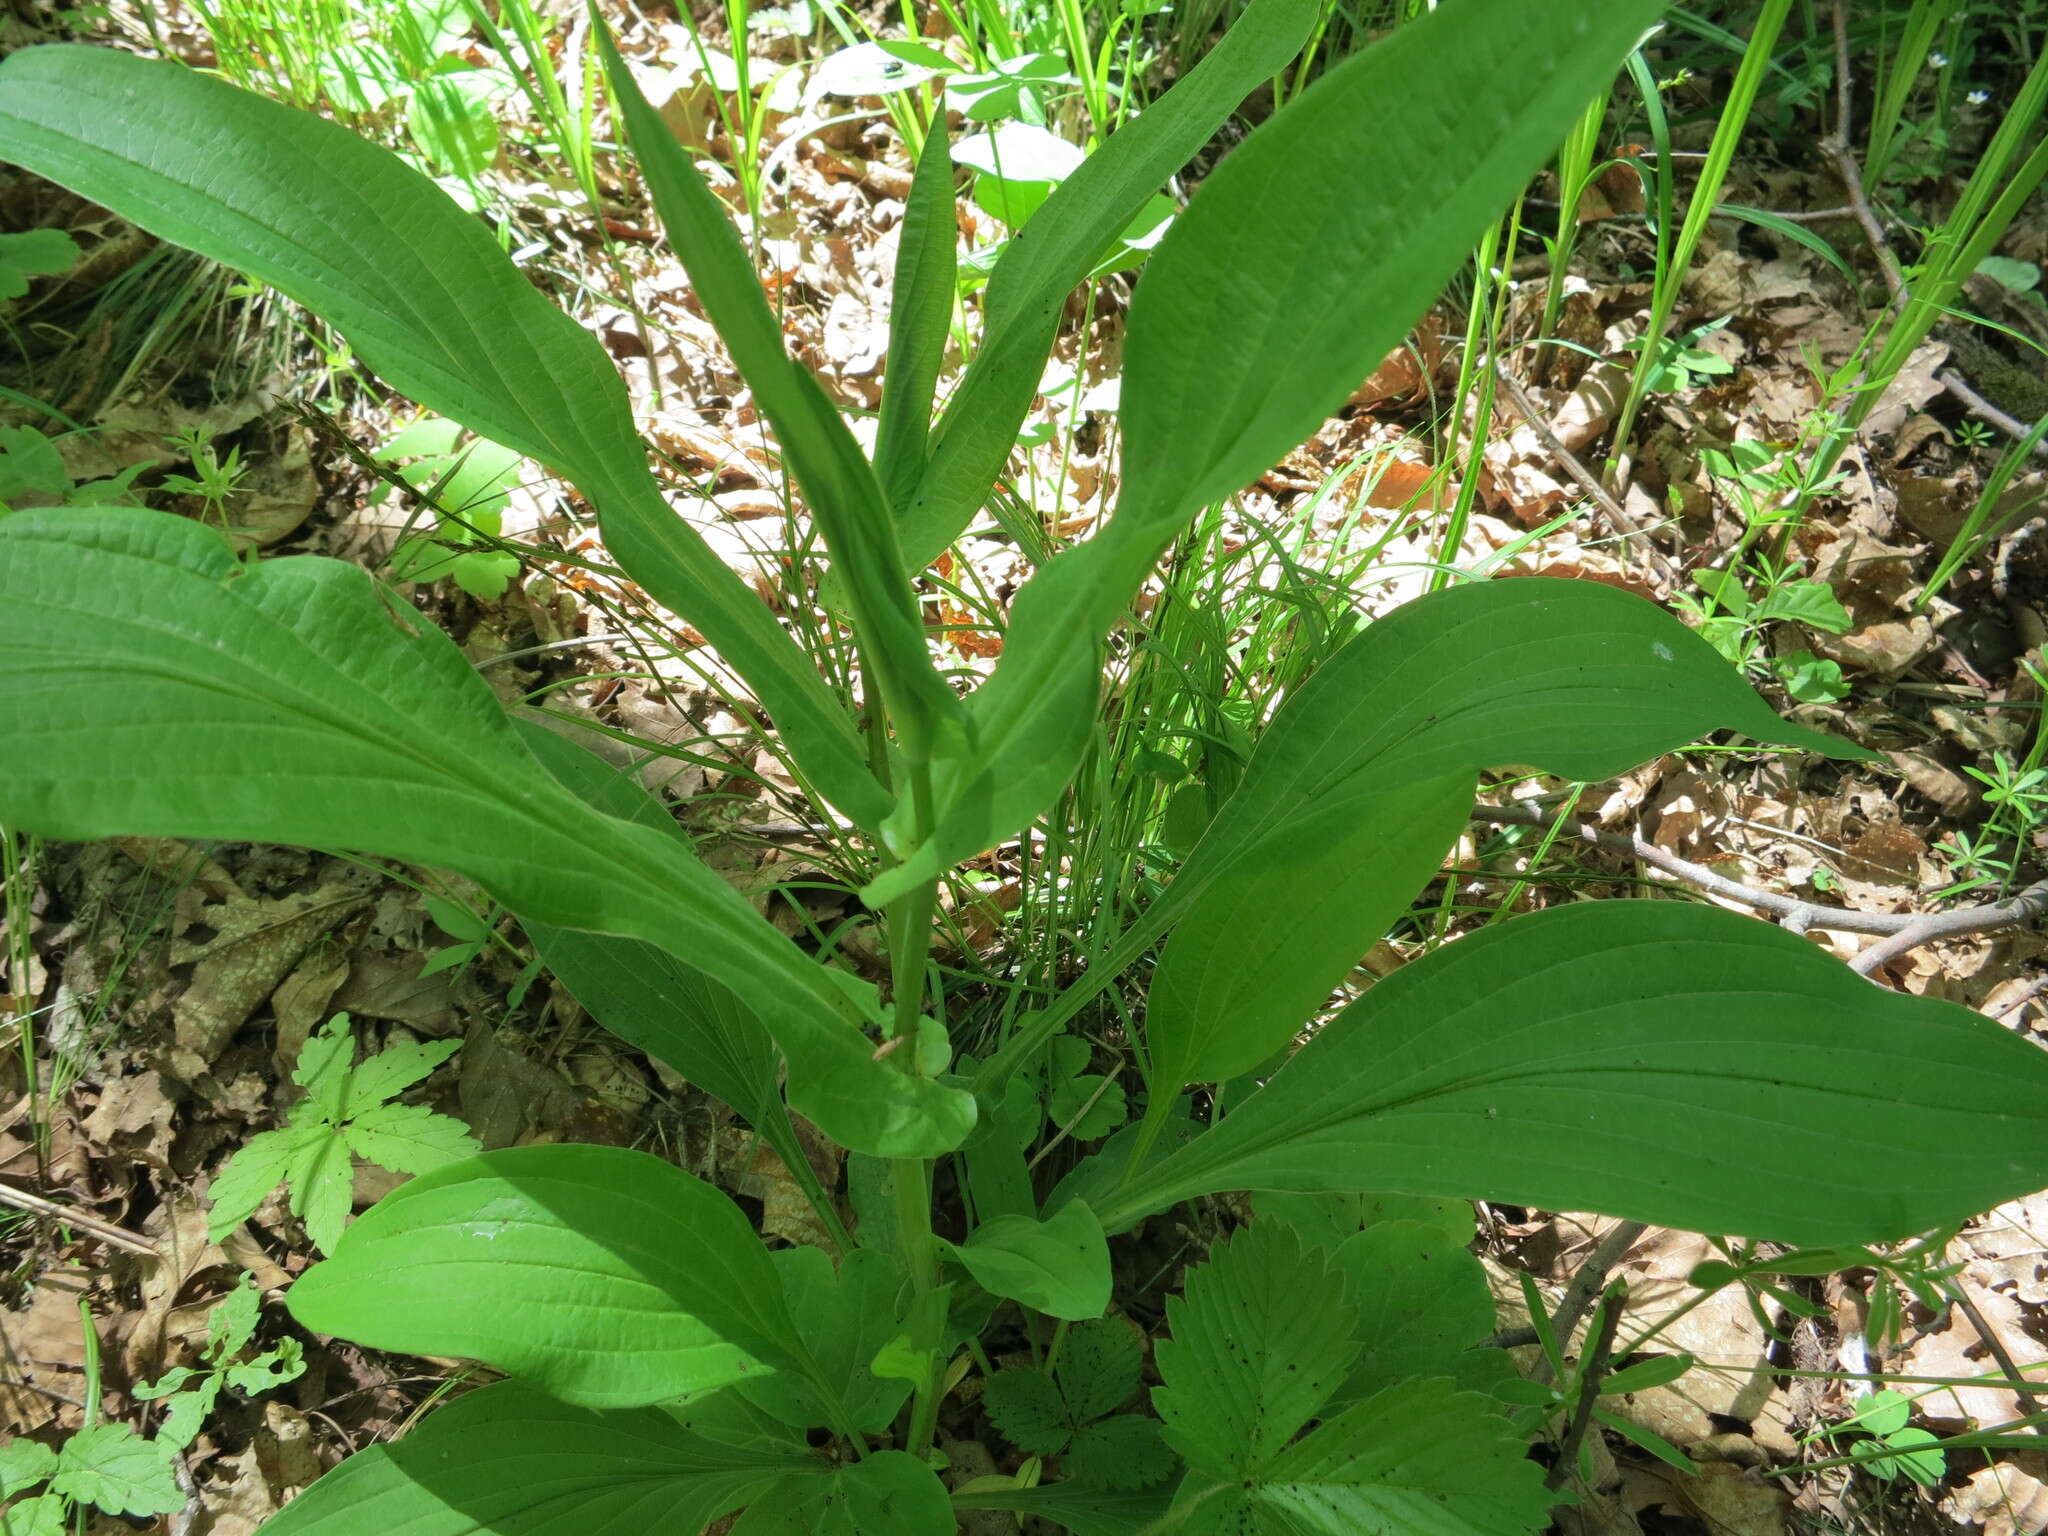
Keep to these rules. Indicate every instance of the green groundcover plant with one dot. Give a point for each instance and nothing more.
(665, 1369)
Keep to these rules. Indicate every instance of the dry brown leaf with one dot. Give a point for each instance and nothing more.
(2004, 1499)
(241, 948)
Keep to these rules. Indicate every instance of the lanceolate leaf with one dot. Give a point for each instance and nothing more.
(1281, 287)
(920, 319)
(1657, 1060)
(151, 684)
(1059, 247)
(510, 1461)
(1363, 780)
(610, 1278)
(425, 294)
(843, 494)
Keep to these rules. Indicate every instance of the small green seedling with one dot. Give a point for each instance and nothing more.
(347, 1112)
(34, 253)
(189, 1392)
(1880, 1421)
(466, 481)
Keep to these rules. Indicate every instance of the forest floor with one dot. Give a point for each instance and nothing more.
(161, 993)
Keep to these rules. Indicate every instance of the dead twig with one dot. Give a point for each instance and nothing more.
(1902, 931)
(91, 1226)
(1992, 1342)
(1851, 170)
(1599, 1348)
(1618, 519)
(1985, 411)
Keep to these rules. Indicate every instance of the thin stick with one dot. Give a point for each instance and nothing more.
(1985, 411)
(1602, 1344)
(1617, 516)
(1851, 172)
(1902, 931)
(2016, 1380)
(1929, 927)
(91, 1226)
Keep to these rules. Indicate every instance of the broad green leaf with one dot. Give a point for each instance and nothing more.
(1327, 1220)
(423, 292)
(644, 995)
(151, 684)
(1251, 962)
(845, 1315)
(890, 1493)
(1060, 1266)
(1065, 238)
(1362, 783)
(1283, 285)
(609, 1278)
(1259, 1340)
(920, 320)
(1614, 1057)
(510, 1461)
(112, 1468)
(1420, 1458)
(840, 488)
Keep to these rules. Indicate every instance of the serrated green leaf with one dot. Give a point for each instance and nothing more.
(1421, 1303)
(409, 1138)
(324, 1065)
(1059, 1265)
(1098, 1367)
(1420, 1458)
(134, 638)
(1246, 1364)
(23, 1464)
(1026, 1407)
(112, 1468)
(509, 1459)
(845, 1315)
(393, 1070)
(609, 1278)
(43, 1515)
(1597, 1057)
(184, 1414)
(430, 300)
(252, 1173)
(1078, 1507)
(889, 1493)
(1127, 1452)
(322, 1181)
(232, 1322)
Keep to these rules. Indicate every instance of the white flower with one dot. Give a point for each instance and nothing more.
(1977, 98)
(1938, 60)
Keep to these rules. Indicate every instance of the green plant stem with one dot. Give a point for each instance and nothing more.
(910, 942)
